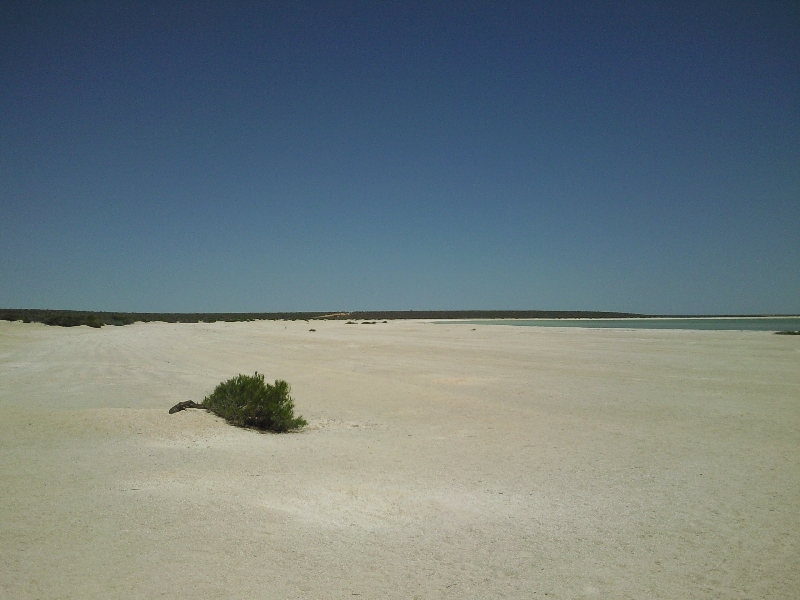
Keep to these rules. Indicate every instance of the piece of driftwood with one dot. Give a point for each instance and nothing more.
(184, 405)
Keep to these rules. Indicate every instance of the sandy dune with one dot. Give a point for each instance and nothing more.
(440, 462)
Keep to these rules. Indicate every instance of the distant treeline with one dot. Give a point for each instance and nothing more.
(71, 318)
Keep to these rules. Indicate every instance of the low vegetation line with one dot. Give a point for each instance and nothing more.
(72, 318)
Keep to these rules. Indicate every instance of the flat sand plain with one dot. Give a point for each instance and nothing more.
(441, 461)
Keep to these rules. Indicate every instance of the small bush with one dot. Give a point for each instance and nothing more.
(120, 319)
(248, 402)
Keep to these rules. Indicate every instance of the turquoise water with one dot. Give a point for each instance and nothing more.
(717, 324)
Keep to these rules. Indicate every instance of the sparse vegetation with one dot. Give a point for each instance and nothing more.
(247, 401)
(71, 318)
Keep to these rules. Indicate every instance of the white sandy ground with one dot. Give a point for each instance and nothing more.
(440, 462)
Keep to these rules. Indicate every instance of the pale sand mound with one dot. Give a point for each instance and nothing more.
(440, 462)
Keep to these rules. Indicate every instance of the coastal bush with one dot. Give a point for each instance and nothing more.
(249, 402)
(74, 320)
(121, 319)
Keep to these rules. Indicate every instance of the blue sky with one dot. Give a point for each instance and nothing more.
(640, 156)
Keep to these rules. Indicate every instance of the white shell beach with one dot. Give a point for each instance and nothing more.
(440, 461)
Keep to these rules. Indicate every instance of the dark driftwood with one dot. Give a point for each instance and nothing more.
(184, 405)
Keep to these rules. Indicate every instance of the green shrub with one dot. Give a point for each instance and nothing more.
(249, 402)
(121, 319)
(73, 320)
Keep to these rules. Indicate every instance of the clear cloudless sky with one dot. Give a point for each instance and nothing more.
(267, 156)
